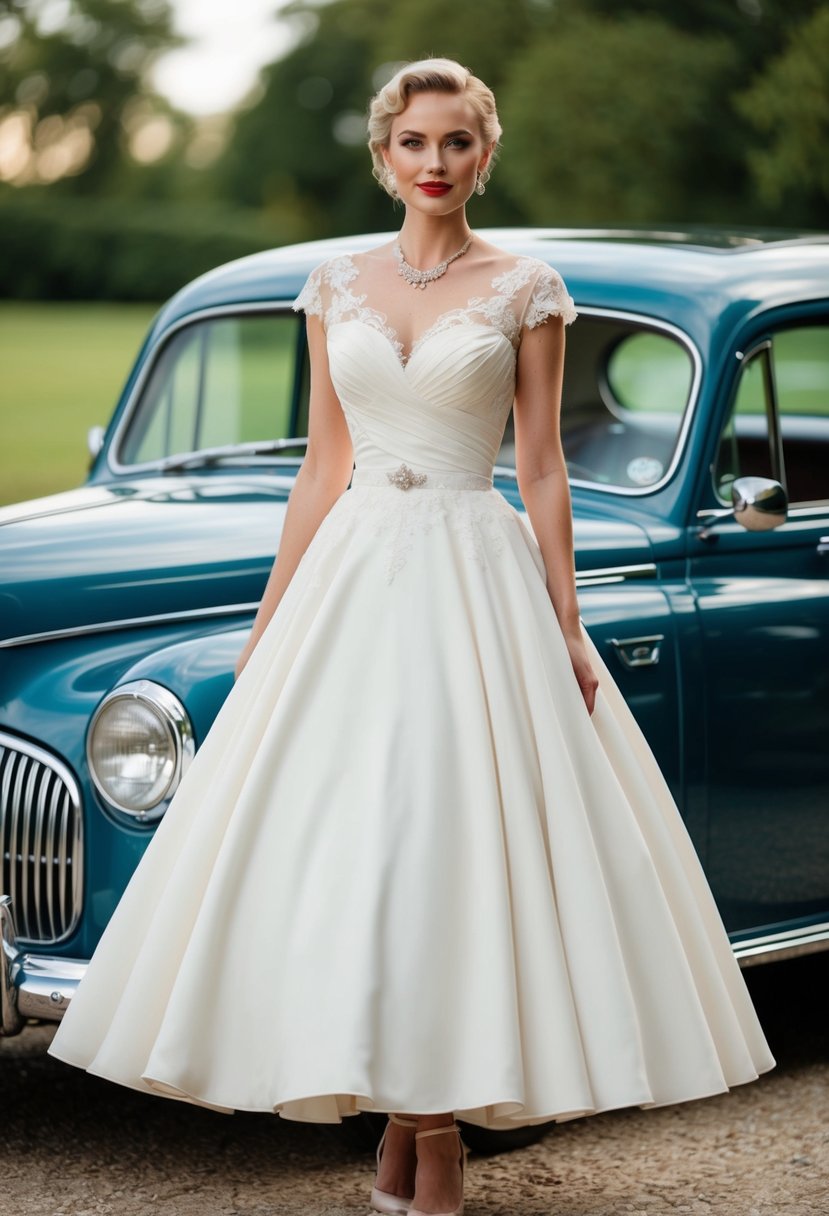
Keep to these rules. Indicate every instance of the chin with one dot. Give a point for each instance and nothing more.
(441, 206)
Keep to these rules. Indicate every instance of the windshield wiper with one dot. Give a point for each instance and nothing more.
(228, 451)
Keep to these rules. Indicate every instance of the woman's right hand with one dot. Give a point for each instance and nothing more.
(586, 677)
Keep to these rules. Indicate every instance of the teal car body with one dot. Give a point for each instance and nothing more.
(696, 427)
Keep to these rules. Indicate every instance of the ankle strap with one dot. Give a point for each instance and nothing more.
(402, 1122)
(435, 1131)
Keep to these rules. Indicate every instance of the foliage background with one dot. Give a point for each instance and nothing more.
(624, 112)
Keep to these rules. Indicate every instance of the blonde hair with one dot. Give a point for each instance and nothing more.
(428, 76)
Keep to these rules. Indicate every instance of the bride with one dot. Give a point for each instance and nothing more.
(424, 861)
(434, 132)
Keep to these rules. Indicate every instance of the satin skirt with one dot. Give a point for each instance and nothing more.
(408, 871)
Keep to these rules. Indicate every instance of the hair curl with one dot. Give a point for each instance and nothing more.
(428, 76)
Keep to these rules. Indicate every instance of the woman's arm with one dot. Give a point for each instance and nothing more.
(543, 484)
(322, 478)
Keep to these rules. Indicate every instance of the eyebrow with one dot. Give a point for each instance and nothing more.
(448, 135)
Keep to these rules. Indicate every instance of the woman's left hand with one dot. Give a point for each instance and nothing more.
(586, 678)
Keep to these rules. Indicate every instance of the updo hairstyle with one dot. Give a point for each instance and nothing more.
(428, 76)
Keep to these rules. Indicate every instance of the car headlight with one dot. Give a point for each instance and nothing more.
(139, 746)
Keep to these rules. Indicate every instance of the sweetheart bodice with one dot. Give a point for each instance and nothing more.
(444, 406)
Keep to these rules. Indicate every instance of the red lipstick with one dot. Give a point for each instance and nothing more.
(434, 188)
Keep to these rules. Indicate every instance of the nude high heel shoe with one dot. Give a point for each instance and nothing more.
(383, 1201)
(434, 1131)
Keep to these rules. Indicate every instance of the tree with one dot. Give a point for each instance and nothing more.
(484, 37)
(615, 120)
(788, 105)
(303, 144)
(74, 91)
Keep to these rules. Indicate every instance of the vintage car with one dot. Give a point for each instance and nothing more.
(696, 427)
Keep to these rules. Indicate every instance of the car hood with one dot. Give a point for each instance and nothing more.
(102, 556)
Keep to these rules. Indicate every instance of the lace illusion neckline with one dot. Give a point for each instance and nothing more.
(353, 307)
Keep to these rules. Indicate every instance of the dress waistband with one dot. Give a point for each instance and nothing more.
(405, 478)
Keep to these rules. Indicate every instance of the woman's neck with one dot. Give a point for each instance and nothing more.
(426, 239)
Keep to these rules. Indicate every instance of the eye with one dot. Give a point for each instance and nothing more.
(459, 142)
(409, 141)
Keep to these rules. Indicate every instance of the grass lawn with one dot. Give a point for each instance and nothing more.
(62, 368)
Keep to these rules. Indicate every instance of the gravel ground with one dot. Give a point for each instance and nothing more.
(73, 1145)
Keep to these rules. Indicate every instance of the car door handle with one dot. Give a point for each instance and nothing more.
(823, 544)
(639, 652)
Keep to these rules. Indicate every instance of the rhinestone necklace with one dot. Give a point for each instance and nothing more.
(419, 278)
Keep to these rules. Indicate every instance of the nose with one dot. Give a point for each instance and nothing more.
(437, 166)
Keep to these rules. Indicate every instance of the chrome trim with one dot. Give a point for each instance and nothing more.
(10, 1020)
(47, 985)
(803, 512)
(179, 728)
(761, 349)
(208, 457)
(41, 828)
(104, 498)
(614, 574)
(32, 986)
(627, 648)
(790, 943)
(778, 463)
(130, 622)
(714, 512)
(201, 314)
(815, 508)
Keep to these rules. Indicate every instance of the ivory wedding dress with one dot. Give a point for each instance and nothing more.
(407, 870)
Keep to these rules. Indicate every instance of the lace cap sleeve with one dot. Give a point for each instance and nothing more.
(548, 298)
(309, 299)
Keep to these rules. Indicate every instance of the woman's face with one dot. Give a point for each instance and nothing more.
(436, 151)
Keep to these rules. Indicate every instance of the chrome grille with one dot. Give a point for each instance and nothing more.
(41, 831)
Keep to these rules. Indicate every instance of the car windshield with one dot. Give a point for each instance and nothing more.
(217, 384)
(627, 390)
(233, 388)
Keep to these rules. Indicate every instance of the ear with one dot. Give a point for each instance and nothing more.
(385, 152)
(484, 161)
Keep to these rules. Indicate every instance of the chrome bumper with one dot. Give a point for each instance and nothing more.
(31, 986)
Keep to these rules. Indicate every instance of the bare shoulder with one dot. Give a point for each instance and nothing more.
(511, 270)
(490, 257)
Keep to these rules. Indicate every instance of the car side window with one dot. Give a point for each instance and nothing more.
(801, 372)
(783, 383)
(219, 381)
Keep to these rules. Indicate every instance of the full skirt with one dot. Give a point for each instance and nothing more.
(408, 871)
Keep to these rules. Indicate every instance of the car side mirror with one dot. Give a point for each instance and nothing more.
(758, 503)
